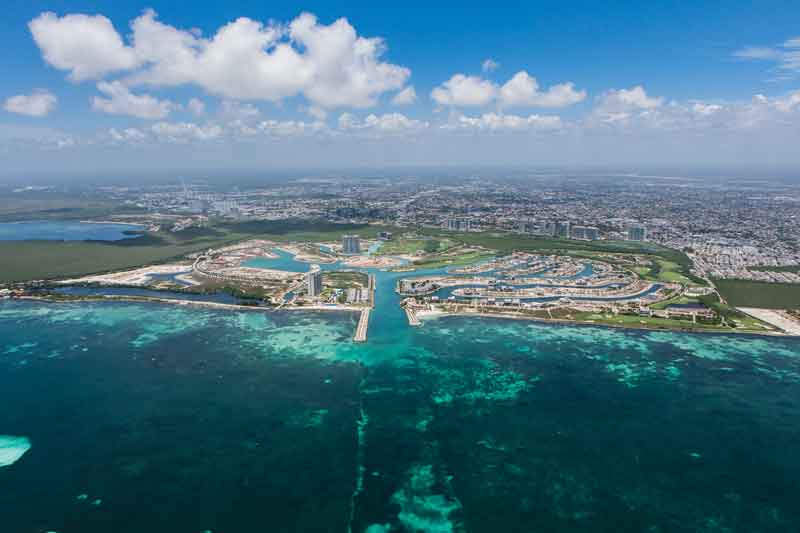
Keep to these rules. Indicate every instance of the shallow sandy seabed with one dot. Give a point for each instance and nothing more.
(12, 449)
(420, 508)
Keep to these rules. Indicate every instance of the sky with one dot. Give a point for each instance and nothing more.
(129, 86)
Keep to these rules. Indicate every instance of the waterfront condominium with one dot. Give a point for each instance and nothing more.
(314, 281)
(351, 244)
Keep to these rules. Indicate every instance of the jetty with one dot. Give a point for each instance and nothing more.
(363, 325)
(413, 319)
(371, 289)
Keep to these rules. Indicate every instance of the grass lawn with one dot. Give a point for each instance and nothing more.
(678, 300)
(346, 280)
(404, 246)
(668, 272)
(454, 260)
(744, 293)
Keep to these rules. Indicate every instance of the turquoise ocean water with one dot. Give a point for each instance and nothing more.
(158, 418)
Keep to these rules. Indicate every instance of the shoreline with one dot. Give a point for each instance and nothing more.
(113, 222)
(423, 315)
(299, 255)
(189, 303)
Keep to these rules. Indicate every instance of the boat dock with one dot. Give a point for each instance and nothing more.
(363, 325)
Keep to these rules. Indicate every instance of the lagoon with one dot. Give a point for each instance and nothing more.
(54, 230)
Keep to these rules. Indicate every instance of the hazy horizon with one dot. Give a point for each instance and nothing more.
(249, 177)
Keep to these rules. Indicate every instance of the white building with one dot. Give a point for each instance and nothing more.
(314, 281)
(458, 224)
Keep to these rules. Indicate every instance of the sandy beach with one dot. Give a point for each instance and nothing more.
(139, 276)
(372, 262)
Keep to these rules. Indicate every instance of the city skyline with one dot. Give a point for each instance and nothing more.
(137, 87)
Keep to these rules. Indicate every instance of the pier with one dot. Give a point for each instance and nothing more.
(363, 324)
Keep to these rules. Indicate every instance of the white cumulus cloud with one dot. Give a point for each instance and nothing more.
(405, 97)
(619, 105)
(786, 55)
(522, 90)
(464, 91)
(345, 69)
(87, 46)
(127, 135)
(634, 98)
(290, 128)
(37, 104)
(232, 110)
(182, 132)
(197, 107)
(500, 122)
(120, 101)
(316, 112)
(634, 110)
(388, 123)
(244, 60)
(331, 65)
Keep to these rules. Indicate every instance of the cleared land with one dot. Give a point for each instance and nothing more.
(744, 293)
(776, 318)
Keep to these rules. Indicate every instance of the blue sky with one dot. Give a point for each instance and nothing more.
(712, 82)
